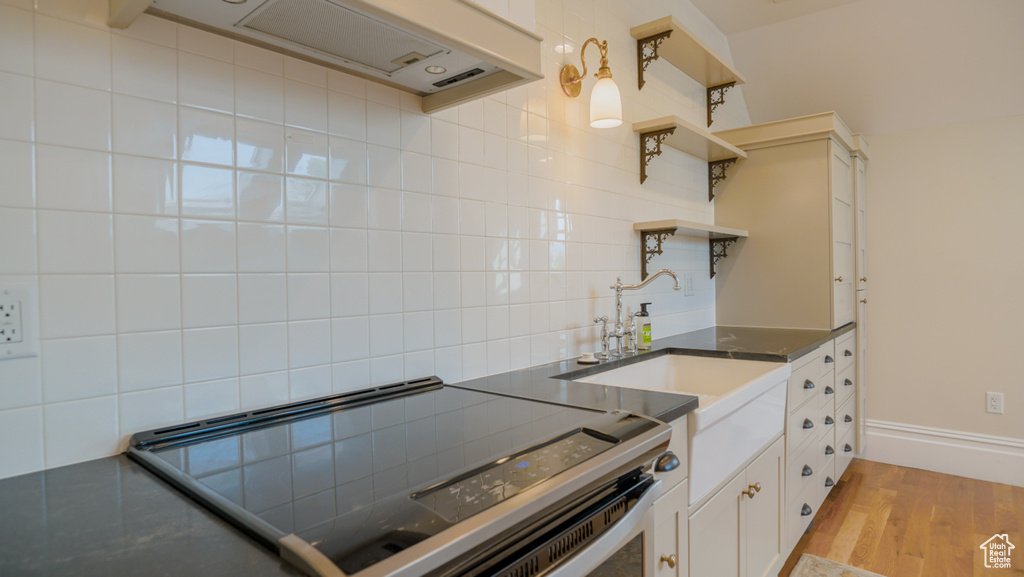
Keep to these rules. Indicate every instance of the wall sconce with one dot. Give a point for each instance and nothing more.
(605, 102)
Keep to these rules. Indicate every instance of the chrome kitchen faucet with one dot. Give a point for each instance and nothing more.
(625, 330)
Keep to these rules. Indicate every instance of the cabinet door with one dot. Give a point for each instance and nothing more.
(860, 198)
(715, 533)
(862, 371)
(670, 533)
(764, 513)
(840, 174)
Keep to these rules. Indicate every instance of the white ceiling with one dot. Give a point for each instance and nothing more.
(733, 16)
(883, 65)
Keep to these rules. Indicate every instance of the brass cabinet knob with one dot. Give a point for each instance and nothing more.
(863, 279)
(748, 492)
(839, 279)
(670, 560)
(757, 487)
(865, 301)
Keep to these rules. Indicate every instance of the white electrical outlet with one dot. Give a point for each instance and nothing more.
(994, 403)
(688, 284)
(19, 325)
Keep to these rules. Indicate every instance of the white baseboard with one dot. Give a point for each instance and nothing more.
(985, 457)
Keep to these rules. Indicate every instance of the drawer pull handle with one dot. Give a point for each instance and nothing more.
(805, 510)
(848, 383)
(808, 384)
(829, 450)
(670, 560)
(807, 472)
(828, 359)
(847, 448)
(847, 419)
(829, 420)
(847, 353)
(828, 390)
(808, 424)
(829, 482)
(667, 462)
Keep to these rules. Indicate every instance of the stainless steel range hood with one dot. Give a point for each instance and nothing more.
(447, 51)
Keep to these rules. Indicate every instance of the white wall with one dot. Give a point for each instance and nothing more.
(213, 227)
(946, 267)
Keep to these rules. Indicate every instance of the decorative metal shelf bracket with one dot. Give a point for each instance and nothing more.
(647, 52)
(718, 247)
(650, 246)
(716, 97)
(716, 173)
(650, 146)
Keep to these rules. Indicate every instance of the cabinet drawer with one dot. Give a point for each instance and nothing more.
(803, 382)
(846, 420)
(802, 426)
(801, 471)
(844, 453)
(828, 357)
(846, 382)
(826, 479)
(846, 351)
(826, 390)
(799, 514)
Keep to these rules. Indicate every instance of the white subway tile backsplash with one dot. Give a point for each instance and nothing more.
(151, 409)
(16, 45)
(206, 136)
(21, 441)
(80, 430)
(148, 360)
(146, 244)
(210, 354)
(206, 83)
(207, 246)
(65, 115)
(262, 298)
(259, 95)
(209, 300)
(72, 53)
(211, 398)
(76, 305)
(18, 111)
(80, 368)
(309, 343)
(144, 69)
(75, 242)
(271, 217)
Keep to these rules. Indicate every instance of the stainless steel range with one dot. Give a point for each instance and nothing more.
(417, 478)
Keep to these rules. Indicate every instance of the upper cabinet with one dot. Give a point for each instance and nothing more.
(795, 196)
(859, 161)
(445, 51)
(667, 38)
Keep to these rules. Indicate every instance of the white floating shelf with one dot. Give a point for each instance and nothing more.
(686, 52)
(654, 232)
(689, 138)
(688, 228)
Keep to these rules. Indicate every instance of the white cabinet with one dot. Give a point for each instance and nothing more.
(738, 531)
(671, 535)
(794, 195)
(860, 161)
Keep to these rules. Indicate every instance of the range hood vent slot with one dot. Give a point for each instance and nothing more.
(340, 32)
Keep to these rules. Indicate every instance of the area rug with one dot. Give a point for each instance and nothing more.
(811, 566)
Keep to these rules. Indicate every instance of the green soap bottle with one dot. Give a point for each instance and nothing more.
(644, 322)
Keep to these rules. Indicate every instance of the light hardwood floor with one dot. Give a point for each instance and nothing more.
(903, 522)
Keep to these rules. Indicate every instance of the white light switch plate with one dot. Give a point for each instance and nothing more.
(19, 322)
(688, 284)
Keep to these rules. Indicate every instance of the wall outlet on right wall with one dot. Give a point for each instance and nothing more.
(994, 403)
(687, 284)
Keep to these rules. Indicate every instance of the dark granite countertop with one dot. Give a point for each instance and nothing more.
(111, 517)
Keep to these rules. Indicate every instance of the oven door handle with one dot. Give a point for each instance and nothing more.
(590, 557)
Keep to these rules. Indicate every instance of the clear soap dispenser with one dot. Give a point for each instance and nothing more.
(644, 321)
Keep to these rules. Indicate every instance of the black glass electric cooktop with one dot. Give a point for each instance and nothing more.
(366, 481)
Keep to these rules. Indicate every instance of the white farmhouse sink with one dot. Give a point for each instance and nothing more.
(742, 407)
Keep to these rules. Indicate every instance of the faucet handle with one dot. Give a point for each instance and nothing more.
(603, 319)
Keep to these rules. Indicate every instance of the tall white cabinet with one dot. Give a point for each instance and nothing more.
(794, 194)
(859, 161)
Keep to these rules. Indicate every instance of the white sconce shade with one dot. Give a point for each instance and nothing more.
(605, 104)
